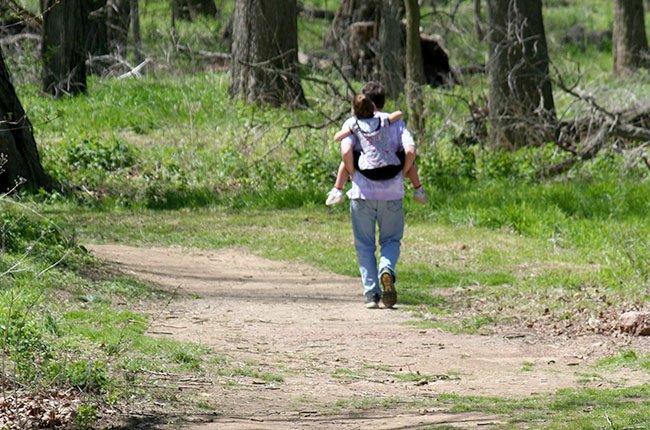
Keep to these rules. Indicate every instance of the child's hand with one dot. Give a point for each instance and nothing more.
(395, 116)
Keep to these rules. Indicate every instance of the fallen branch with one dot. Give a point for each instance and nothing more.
(11, 40)
(593, 147)
(27, 16)
(631, 125)
(646, 161)
(110, 60)
(135, 72)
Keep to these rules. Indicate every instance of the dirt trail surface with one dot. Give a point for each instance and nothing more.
(311, 328)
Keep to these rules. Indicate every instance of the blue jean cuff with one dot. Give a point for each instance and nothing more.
(388, 270)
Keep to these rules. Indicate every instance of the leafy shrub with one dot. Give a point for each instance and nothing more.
(83, 152)
(87, 375)
(23, 231)
(311, 169)
(21, 336)
(448, 167)
(86, 417)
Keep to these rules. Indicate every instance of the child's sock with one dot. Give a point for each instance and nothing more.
(419, 195)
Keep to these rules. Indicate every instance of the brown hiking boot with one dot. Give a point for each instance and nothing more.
(389, 298)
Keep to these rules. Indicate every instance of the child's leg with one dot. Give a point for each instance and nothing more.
(347, 155)
(414, 177)
(341, 177)
(418, 195)
(336, 196)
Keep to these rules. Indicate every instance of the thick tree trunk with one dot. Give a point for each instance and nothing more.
(391, 62)
(190, 9)
(629, 42)
(265, 53)
(346, 37)
(414, 68)
(521, 99)
(65, 24)
(17, 145)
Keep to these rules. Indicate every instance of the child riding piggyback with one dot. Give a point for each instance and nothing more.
(376, 157)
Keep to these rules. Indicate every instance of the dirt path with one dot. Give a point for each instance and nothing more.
(310, 328)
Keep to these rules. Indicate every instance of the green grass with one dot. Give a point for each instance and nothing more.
(567, 409)
(629, 359)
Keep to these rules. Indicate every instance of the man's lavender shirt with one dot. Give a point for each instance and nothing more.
(367, 189)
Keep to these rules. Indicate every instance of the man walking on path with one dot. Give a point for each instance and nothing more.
(379, 203)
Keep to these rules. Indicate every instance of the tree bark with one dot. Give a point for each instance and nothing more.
(520, 102)
(117, 21)
(629, 42)
(343, 37)
(391, 62)
(135, 31)
(17, 143)
(97, 39)
(265, 53)
(414, 68)
(478, 21)
(65, 24)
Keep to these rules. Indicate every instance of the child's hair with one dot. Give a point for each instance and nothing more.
(375, 92)
(363, 107)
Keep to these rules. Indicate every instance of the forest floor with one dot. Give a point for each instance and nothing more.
(311, 356)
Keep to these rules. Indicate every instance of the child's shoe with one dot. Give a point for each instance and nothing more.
(419, 195)
(334, 197)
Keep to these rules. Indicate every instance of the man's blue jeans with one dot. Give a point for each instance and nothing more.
(366, 216)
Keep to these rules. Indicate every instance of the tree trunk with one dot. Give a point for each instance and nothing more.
(521, 99)
(17, 145)
(65, 23)
(629, 42)
(97, 39)
(478, 21)
(191, 9)
(135, 30)
(391, 62)
(414, 68)
(118, 20)
(265, 53)
(345, 37)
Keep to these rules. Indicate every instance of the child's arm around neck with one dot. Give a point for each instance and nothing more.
(392, 117)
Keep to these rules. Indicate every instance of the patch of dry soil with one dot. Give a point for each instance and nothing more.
(311, 328)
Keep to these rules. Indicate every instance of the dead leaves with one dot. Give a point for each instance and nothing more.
(21, 409)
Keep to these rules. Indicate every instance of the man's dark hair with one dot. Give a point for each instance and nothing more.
(362, 107)
(375, 92)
